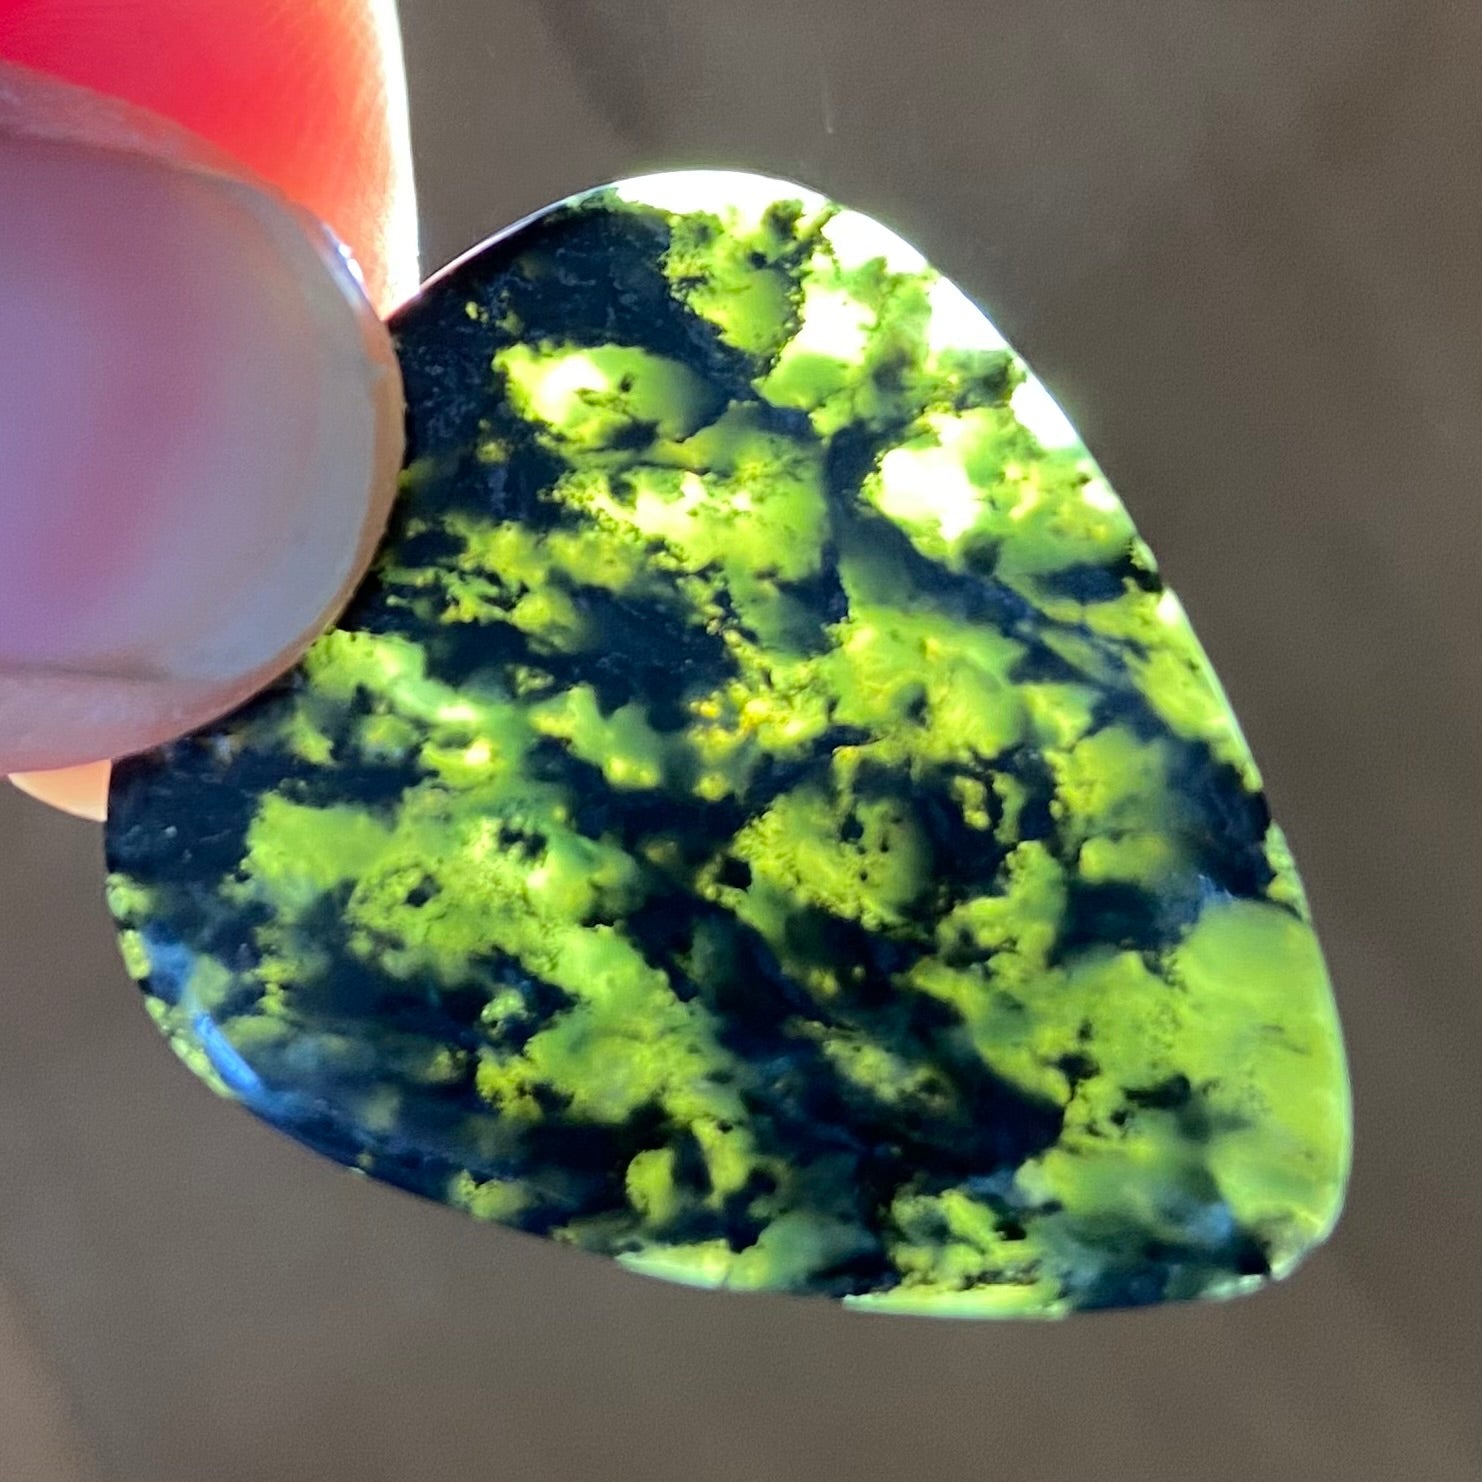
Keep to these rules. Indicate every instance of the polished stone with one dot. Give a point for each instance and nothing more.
(763, 818)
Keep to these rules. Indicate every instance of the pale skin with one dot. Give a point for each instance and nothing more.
(202, 414)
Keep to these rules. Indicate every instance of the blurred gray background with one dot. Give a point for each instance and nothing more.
(1241, 243)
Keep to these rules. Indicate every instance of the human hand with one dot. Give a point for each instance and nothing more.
(200, 415)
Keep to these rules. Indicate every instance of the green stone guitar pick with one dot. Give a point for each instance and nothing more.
(763, 818)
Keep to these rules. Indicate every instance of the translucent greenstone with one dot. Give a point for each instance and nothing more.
(763, 818)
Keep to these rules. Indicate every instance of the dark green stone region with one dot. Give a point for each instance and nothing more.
(763, 818)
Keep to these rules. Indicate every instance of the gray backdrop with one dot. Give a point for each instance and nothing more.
(1241, 242)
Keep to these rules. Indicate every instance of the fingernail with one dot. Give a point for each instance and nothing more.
(200, 426)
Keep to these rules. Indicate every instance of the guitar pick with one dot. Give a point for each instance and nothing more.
(763, 818)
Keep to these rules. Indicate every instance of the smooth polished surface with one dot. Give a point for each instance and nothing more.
(1239, 244)
(763, 817)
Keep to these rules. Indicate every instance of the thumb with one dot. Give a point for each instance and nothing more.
(200, 426)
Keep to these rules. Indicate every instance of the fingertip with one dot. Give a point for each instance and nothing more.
(310, 96)
(81, 791)
(202, 425)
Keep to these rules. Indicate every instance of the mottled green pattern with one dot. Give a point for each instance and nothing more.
(764, 818)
